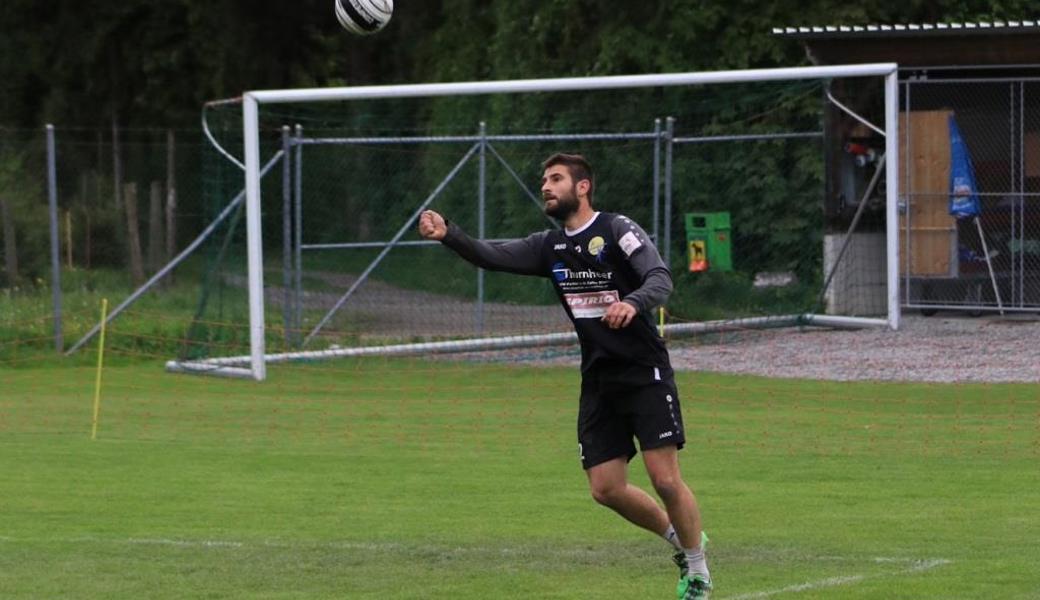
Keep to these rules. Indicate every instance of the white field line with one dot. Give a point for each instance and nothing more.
(179, 543)
(802, 587)
(457, 551)
(916, 566)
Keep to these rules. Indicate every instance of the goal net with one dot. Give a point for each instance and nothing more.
(769, 193)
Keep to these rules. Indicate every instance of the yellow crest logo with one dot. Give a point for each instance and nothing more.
(596, 245)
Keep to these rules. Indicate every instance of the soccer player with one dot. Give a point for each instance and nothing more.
(609, 277)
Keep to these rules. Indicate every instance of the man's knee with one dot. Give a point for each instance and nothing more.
(663, 468)
(606, 493)
(667, 484)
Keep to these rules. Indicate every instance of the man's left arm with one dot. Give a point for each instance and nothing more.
(656, 280)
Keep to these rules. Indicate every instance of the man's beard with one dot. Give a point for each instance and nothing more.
(566, 206)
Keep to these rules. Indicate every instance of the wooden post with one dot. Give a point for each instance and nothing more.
(86, 236)
(68, 238)
(117, 166)
(155, 226)
(10, 247)
(171, 202)
(83, 202)
(96, 203)
(133, 233)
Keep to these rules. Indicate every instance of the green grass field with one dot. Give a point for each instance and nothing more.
(411, 479)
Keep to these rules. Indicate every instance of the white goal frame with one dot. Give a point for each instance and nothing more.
(251, 102)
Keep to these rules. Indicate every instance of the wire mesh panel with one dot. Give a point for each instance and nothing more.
(24, 240)
(746, 178)
(986, 258)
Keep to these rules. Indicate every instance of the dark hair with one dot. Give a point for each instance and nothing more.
(577, 166)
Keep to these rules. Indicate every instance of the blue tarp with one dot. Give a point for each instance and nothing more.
(964, 194)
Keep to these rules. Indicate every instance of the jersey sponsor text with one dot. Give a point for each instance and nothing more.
(591, 305)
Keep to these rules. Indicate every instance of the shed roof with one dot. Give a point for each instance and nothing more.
(922, 44)
(910, 29)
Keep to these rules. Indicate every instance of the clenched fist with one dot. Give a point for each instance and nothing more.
(432, 226)
(619, 315)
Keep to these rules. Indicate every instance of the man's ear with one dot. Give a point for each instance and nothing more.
(583, 187)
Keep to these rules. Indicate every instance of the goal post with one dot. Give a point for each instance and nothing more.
(252, 101)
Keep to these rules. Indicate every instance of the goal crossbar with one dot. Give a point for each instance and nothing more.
(251, 128)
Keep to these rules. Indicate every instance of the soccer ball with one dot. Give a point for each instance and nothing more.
(364, 16)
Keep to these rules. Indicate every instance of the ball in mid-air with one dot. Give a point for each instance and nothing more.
(364, 16)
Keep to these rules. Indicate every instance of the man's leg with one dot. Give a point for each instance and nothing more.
(662, 464)
(608, 482)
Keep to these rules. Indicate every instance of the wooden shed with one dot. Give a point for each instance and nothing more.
(983, 76)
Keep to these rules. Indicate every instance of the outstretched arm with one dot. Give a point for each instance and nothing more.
(514, 256)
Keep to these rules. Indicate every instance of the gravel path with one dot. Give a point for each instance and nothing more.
(939, 349)
(378, 310)
(935, 349)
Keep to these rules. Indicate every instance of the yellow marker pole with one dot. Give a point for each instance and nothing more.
(100, 364)
(660, 321)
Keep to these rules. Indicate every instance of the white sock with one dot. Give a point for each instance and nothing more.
(671, 537)
(695, 558)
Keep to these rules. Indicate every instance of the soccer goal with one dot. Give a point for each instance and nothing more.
(771, 193)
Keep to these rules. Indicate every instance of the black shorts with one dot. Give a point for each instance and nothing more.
(621, 403)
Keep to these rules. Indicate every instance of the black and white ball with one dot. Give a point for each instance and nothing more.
(364, 17)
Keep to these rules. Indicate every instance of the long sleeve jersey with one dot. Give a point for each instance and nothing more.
(609, 259)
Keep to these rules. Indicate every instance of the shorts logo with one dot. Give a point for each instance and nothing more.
(581, 452)
(591, 305)
(664, 435)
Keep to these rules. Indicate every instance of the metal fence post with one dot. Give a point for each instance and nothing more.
(52, 200)
(287, 258)
(669, 139)
(908, 194)
(481, 221)
(1022, 189)
(1013, 182)
(657, 181)
(298, 238)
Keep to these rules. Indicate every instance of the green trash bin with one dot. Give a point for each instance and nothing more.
(708, 241)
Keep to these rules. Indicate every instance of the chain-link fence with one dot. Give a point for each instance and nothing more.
(132, 224)
(344, 261)
(107, 206)
(970, 224)
(339, 201)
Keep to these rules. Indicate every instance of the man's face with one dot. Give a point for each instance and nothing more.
(559, 193)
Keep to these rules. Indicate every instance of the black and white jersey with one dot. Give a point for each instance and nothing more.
(609, 259)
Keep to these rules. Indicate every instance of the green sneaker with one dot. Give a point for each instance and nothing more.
(695, 587)
(679, 558)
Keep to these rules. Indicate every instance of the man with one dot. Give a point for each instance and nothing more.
(609, 277)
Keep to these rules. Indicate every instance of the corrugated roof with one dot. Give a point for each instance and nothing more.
(911, 29)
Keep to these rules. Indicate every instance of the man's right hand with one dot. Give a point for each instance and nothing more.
(432, 226)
